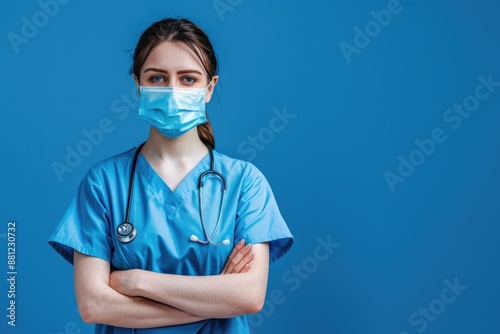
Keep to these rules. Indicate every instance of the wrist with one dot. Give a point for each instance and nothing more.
(137, 282)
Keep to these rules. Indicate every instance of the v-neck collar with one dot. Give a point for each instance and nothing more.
(172, 199)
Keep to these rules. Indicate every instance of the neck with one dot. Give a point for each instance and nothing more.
(187, 147)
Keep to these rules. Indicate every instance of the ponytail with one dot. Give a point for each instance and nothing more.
(206, 134)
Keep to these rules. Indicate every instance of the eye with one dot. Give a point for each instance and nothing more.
(157, 79)
(189, 80)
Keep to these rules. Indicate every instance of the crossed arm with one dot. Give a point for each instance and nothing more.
(144, 299)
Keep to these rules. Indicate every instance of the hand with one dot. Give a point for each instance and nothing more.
(123, 281)
(239, 259)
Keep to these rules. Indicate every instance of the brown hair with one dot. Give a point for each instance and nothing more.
(185, 31)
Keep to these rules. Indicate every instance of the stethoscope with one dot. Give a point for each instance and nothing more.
(126, 231)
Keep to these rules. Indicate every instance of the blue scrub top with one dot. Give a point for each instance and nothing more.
(166, 219)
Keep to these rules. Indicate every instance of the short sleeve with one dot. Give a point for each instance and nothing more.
(258, 216)
(85, 225)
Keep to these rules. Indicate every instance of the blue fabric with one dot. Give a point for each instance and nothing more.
(165, 220)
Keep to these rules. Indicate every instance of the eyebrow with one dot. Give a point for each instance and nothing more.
(152, 69)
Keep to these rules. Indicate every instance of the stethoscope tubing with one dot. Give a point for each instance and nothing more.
(127, 225)
(131, 181)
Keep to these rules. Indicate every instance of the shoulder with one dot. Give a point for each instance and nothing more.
(115, 165)
(239, 171)
(235, 166)
(117, 159)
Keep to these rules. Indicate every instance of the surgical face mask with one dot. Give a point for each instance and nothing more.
(173, 111)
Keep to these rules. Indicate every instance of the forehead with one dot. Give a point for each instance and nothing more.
(173, 56)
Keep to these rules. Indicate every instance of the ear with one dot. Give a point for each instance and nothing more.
(211, 87)
(136, 80)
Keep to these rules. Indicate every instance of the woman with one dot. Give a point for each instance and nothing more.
(183, 250)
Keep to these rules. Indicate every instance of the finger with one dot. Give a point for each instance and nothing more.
(238, 252)
(238, 257)
(243, 264)
(235, 250)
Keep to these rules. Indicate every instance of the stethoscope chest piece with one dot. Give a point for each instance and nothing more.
(126, 232)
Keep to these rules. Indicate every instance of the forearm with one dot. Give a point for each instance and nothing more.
(99, 303)
(218, 296)
(221, 296)
(113, 308)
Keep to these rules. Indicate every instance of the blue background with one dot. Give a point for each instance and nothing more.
(350, 119)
